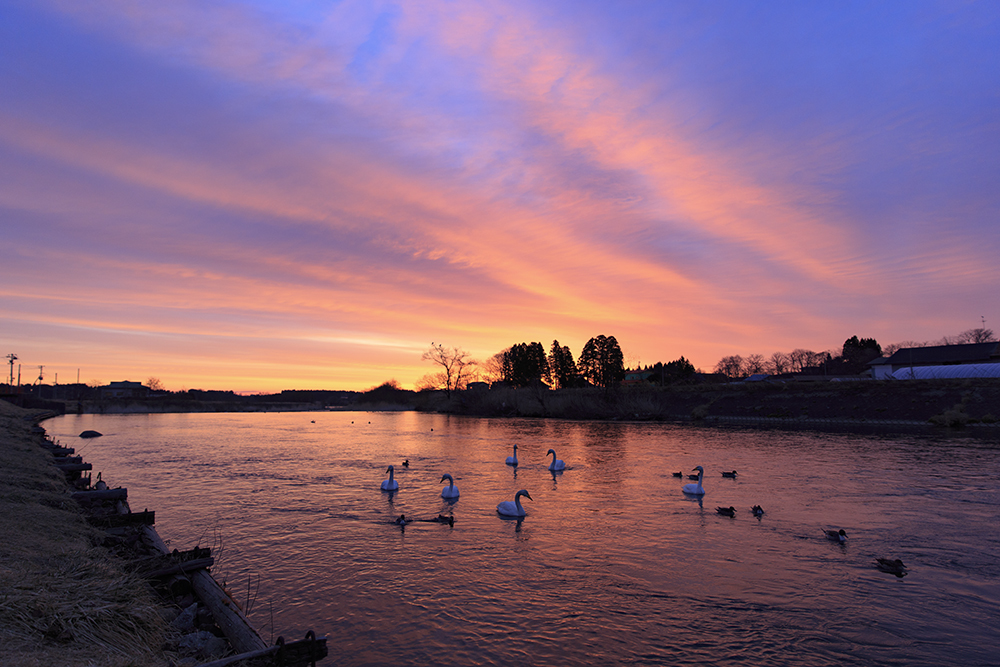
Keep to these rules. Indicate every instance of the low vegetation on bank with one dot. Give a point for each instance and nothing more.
(949, 403)
(65, 601)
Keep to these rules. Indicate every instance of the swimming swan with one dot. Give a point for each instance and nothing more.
(512, 460)
(513, 508)
(450, 491)
(557, 464)
(696, 489)
(390, 484)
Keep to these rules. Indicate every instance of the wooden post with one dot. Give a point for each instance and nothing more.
(224, 610)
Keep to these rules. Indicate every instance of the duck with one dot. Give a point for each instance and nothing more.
(836, 535)
(390, 484)
(694, 476)
(406, 463)
(450, 491)
(696, 489)
(401, 520)
(678, 474)
(441, 518)
(894, 566)
(513, 507)
(726, 511)
(757, 511)
(731, 475)
(557, 464)
(512, 460)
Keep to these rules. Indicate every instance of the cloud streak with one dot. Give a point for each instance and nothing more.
(347, 182)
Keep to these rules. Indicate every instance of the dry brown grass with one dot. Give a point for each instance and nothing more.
(63, 600)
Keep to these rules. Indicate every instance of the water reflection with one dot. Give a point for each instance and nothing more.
(614, 563)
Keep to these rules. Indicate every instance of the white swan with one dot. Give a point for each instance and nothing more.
(390, 484)
(512, 460)
(513, 508)
(696, 489)
(557, 464)
(450, 491)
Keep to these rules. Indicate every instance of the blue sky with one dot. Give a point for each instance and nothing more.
(272, 195)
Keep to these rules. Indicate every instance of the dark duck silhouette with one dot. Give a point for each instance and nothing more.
(836, 535)
(678, 474)
(757, 511)
(731, 475)
(726, 511)
(894, 566)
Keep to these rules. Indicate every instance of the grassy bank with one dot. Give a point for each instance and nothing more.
(63, 600)
(947, 403)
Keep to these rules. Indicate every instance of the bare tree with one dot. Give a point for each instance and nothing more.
(892, 348)
(430, 382)
(491, 370)
(979, 335)
(800, 358)
(779, 363)
(731, 367)
(455, 364)
(754, 363)
(154, 384)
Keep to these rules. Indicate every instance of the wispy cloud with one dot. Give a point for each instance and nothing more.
(372, 176)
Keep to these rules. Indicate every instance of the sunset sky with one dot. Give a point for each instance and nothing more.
(305, 194)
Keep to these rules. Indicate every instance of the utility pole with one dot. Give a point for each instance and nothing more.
(11, 358)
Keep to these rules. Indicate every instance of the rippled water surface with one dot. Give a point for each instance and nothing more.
(612, 565)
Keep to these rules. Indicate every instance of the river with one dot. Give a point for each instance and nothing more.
(613, 564)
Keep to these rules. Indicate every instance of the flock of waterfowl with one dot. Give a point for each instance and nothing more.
(892, 566)
(509, 508)
(513, 508)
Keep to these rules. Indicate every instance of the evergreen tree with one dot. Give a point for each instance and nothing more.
(602, 362)
(525, 364)
(562, 367)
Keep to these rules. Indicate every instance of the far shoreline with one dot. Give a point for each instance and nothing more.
(856, 405)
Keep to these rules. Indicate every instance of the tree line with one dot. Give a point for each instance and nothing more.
(852, 358)
(601, 364)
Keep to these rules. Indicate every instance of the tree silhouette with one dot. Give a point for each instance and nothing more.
(563, 368)
(602, 362)
(454, 362)
(525, 364)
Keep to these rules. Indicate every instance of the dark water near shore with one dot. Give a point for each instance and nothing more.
(612, 565)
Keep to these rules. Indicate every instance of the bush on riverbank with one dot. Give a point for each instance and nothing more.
(945, 402)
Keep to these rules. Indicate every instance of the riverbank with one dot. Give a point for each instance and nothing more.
(65, 600)
(951, 403)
